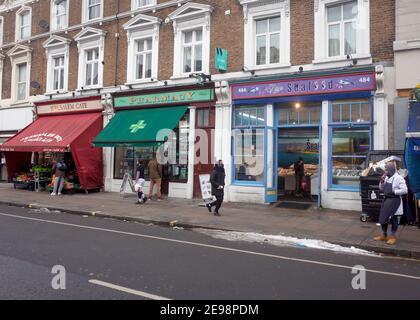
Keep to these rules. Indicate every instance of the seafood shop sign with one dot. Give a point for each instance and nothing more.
(305, 86)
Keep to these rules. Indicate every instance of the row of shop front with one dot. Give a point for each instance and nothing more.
(329, 119)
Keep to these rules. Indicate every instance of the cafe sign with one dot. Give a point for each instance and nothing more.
(69, 106)
(305, 86)
(156, 99)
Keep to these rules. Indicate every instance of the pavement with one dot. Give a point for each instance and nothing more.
(334, 226)
(93, 258)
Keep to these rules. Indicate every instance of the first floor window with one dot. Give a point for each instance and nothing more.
(144, 3)
(94, 9)
(267, 39)
(144, 58)
(192, 50)
(58, 73)
(349, 150)
(341, 29)
(22, 79)
(91, 67)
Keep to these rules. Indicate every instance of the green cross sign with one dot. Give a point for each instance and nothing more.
(141, 124)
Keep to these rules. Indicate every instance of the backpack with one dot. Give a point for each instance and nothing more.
(61, 166)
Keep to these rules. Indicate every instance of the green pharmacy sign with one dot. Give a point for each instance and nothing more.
(179, 97)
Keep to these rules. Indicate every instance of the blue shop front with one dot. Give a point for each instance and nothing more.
(327, 120)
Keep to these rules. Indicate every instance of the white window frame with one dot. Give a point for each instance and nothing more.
(138, 28)
(18, 27)
(135, 4)
(18, 55)
(257, 10)
(192, 45)
(197, 16)
(85, 12)
(56, 46)
(321, 32)
(88, 39)
(53, 17)
(1, 31)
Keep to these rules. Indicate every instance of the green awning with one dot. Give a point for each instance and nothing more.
(144, 127)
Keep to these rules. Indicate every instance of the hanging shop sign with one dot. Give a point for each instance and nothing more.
(69, 106)
(153, 99)
(305, 86)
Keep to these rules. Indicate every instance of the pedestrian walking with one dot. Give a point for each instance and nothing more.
(217, 180)
(393, 186)
(140, 179)
(299, 168)
(155, 175)
(59, 168)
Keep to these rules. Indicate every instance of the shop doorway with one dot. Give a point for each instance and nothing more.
(298, 152)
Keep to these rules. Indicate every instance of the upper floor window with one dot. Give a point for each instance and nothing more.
(22, 81)
(1, 30)
(139, 4)
(59, 14)
(267, 39)
(91, 43)
(266, 33)
(191, 24)
(93, 9)
(24, 24)
(144, 51)
(341, 29)
(57, 51)
(143, 48)
(91, 67)
(192, 49)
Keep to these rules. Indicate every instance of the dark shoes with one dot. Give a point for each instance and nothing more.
(208, 206)
(217, 214)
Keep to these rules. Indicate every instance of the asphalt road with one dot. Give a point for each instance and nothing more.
(108, 259)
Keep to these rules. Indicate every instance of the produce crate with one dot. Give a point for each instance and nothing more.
(25, 185)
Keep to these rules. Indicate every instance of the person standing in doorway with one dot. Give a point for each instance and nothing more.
(155, 175)
(217, 180)
(299, 168)
(393, 186)
(59, 169)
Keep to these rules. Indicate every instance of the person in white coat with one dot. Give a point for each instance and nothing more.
(393, 186)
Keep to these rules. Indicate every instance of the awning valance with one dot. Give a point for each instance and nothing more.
(51, 133)
(140, 127)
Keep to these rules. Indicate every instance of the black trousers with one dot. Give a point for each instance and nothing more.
(217, 203)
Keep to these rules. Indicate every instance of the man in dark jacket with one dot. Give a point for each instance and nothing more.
(299, 174)
(217, 180)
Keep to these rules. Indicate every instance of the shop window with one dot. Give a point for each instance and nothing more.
(350, 133)
(249, 116)
(203, 117)
(355, 112)
(299, 115)
(248, 144)
(174, 153)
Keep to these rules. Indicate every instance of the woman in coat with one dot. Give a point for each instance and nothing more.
(217, 180)
(393, 186)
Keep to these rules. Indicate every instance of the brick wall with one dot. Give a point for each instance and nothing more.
(382, 29)
(301, 32)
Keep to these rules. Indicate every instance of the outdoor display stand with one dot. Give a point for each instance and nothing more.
(64, 128)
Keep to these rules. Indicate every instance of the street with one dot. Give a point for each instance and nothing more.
(109, 259)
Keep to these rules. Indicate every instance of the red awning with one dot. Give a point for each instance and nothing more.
(51, 133)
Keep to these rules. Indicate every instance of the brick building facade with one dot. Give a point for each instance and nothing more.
(368, 26)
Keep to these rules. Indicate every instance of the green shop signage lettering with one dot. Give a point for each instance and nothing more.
(164, 98)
